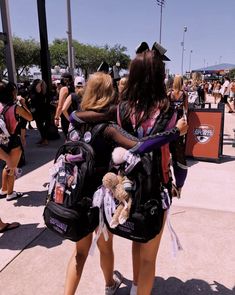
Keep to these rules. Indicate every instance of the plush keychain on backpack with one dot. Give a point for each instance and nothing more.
(120, 188)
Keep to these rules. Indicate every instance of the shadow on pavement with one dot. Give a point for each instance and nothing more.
(174, 286)
(226, 158)
(37, 155)
(32, 199)
(17, 239)
(191, 161)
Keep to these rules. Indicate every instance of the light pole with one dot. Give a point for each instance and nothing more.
(182, 43)
(190, 58)
(160, 3)
(220, 59)
(70, 46)
(6, 37)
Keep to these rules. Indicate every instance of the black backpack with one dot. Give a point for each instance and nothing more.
(149, 195)
(69, 211)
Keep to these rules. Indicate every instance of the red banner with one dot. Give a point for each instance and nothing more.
(204, 134)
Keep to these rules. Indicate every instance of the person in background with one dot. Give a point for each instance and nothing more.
(73, 101)
(225, 90)
(39, 108)
(216, 91)
(13, 147)
(122, 84)
(179, 101)
(67, 87)
(232, 93)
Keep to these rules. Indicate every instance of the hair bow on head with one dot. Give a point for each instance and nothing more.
(156, 47)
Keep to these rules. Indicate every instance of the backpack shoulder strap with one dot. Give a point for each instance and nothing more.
(4, 110)
(162, 121)
(122, 120)
(96, 130)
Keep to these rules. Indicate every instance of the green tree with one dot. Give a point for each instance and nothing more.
(87, 57)
(232, 74)
(59, 53)
(27, 54)
(117, 53)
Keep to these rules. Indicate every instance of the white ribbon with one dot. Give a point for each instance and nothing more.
(176, 245)
(98, 201)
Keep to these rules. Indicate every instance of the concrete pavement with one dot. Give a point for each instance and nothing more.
(34, 260)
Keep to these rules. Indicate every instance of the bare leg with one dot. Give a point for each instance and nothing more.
(76, 264)
(8, 177)
(107, 259)
(2, 224)
(4, 179)
(144, 265)
(135, 261)
(5, 157)
(229, 106)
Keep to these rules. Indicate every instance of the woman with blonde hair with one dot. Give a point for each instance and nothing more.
(98, 97)
(178, 96)
(179, 101)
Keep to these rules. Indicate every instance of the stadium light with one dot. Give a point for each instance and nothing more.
(160, 3)
(182, 44)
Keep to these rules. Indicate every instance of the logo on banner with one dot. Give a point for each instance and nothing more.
(203, 133)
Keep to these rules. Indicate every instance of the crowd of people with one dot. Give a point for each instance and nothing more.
(142, 96)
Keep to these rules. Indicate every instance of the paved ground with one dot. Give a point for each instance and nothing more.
(33, 260)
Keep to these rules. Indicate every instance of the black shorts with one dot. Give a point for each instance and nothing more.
(224, 99)
(14, 142)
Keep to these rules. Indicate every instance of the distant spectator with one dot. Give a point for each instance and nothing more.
(232, 93)
(122, 84)
(13, 147)
(39, 108)
(216, 91)
(225, 90)
(65, 90)
(73, 101)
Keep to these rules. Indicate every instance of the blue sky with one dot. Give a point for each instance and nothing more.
(210, 26)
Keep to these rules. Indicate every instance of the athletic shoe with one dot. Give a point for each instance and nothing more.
(3, 194)
(118, 278)
(133, 289)
(14, 196)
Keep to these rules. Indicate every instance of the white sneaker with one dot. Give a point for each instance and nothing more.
(3, 194)
(133, 289)
(13, 196)
(118, 278)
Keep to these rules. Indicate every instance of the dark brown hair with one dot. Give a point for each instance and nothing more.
(145, 89)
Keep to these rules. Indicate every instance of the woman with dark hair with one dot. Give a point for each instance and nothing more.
(39, 108)
(144, 102)
(65, 90)
(12, 112)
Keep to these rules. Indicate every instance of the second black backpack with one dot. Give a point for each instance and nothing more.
(150, 195)
(69, 211)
